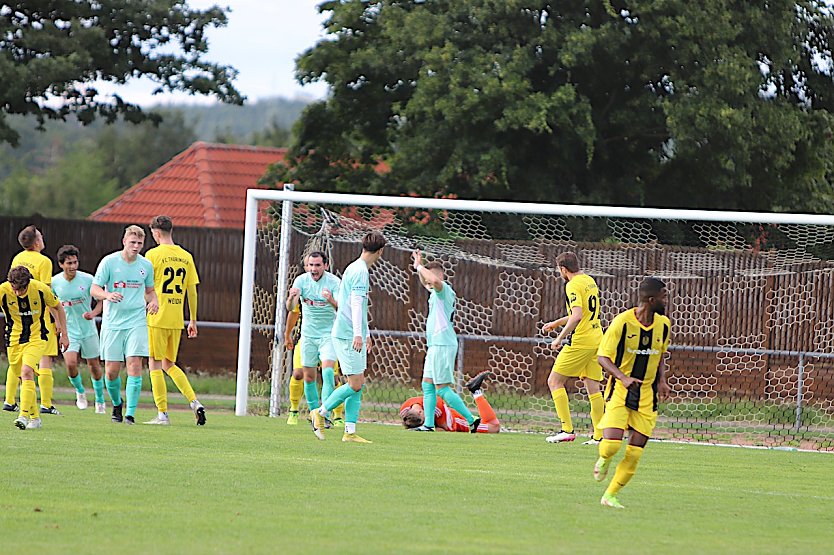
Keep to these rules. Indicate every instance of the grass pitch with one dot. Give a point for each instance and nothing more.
(256, 485)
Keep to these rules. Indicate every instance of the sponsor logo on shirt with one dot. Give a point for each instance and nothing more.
(126, 285)
(644, 351)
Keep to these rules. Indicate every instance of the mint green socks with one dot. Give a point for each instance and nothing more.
(453, 400)
(352, 405)
(132, 391)
(114, 388)
(98, 387)
(77, 383)
(338, 397)
(429, 403)
(328, 382)
(311, 393)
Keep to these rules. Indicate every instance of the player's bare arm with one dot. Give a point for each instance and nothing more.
(550, 326)
(191, 292)
(96, 311)
(151, 302)
(609, 366)
(99, 294)
(572, 321)
(292, 320)
(663, 389)
(293, 298)
(60, 317)
(427, 277)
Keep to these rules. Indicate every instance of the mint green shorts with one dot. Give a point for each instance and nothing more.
(88, 347)
(350, 362)
(316, 349)
(440, 363)
(117, 345)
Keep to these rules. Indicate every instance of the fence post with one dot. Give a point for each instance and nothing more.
(459, 367)
(800, 385)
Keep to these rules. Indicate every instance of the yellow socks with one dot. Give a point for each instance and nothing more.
(160, 390)
(296, 392)
(625, 470)
(609, 447)
(46, 383)
(12, 379)
(28, 399)
(182, 383)
(597, 409)
(560, 400)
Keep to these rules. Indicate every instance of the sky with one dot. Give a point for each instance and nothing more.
(261, 40)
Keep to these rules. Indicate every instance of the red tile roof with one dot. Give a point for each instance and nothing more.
(203, 186)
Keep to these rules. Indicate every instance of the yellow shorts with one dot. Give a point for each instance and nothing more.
(164, 343)
(576, 362)
(51, 341)
(28, 354)
(617, 415)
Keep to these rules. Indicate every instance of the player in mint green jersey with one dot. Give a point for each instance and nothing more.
(314, 291)
(72, 287)
(124, 279)
(350, 339)
(442, 345)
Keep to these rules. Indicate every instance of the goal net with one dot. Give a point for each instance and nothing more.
(750, 300)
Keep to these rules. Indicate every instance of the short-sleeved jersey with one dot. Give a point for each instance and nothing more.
(582, 291)
(130, 279)
(75, 298)
(355, 281)
(319, 314)
(39, 265)
(26, 316)
(174, 272)
(445, 417)
(637, 351)
(439, 328)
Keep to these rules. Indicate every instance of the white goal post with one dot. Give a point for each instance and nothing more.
(720, 247)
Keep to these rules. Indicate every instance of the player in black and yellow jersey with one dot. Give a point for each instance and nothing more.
(26, 305)
(577, 359)
(40, 267)
(633, 351)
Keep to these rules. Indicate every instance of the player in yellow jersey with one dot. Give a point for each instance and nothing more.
(578, 359)
(26, 303)
(174, 275)
(31, 239)
(633, 351)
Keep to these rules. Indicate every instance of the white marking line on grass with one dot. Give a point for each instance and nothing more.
(737, 446)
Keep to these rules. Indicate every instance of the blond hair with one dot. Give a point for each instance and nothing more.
(135, 230)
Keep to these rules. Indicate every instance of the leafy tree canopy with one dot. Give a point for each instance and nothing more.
(717, 103)
(50, 52)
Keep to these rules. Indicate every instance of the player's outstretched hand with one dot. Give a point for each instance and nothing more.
(192, 329)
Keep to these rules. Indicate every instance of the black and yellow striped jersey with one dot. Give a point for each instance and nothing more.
(637, 351)
(26, 316)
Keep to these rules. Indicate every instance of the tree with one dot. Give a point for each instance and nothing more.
(73, 188)
(50, 52)
(133, 152)
(717, 104)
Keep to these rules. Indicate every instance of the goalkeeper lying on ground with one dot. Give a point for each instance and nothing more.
(447, 418)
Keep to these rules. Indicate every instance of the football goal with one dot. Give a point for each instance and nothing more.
(751, 301)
